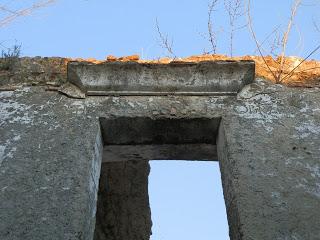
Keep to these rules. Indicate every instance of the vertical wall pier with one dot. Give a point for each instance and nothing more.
(123, 210)
(270, 181)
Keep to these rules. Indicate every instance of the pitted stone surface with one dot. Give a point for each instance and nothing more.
(50, 149)
(131, 78)
(270, 161)
(123, 203)
(44, 192)
(268, 148)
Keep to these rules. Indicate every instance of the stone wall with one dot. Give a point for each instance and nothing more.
(123, 202)
(50, 158)
(33, 71)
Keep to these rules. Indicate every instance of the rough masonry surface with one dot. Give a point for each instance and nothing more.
(203, 78)
(51, 150)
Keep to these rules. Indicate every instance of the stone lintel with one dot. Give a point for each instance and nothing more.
(192, 152)
(131, 78)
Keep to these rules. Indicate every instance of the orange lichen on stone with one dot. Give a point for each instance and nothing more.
(129, 58)
(111, 58)
(91, 60)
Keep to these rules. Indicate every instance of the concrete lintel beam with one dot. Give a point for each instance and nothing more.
(192, 152)
(131, 78)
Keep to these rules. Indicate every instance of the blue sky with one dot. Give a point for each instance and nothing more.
(97, 28)
(186, 201)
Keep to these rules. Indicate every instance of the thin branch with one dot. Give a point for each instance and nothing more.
(293, 70)
(281, 60)
(5, 9)
(316, 26)
(306, 70)
(164, 41)
(235, 10)
(256, 40)
(212, 35)
(22, 12)
(267, 38)
(274, 47)
(285, 38)
(300, 44)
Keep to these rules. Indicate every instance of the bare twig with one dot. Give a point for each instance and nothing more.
(10, 57)
(316, 26)
(256, 40)
(212, 37)
(300, 44)
(6, 9)
(274, 31)
(13, 14)
(307, 69)
(235, 10)
(293, 70)
(279, 75)
(164, 41)
(285, 38)
(275, 45)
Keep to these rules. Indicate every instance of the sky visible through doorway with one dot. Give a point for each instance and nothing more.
(186, 201)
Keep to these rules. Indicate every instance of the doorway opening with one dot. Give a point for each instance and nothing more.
(123, 208)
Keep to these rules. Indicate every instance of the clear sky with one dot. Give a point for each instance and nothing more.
(186, 201)
(97, 28)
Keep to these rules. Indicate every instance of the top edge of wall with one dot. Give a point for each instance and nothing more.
(173, 62)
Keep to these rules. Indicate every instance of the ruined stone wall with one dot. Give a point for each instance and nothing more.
(51, 146)
(32, 71)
